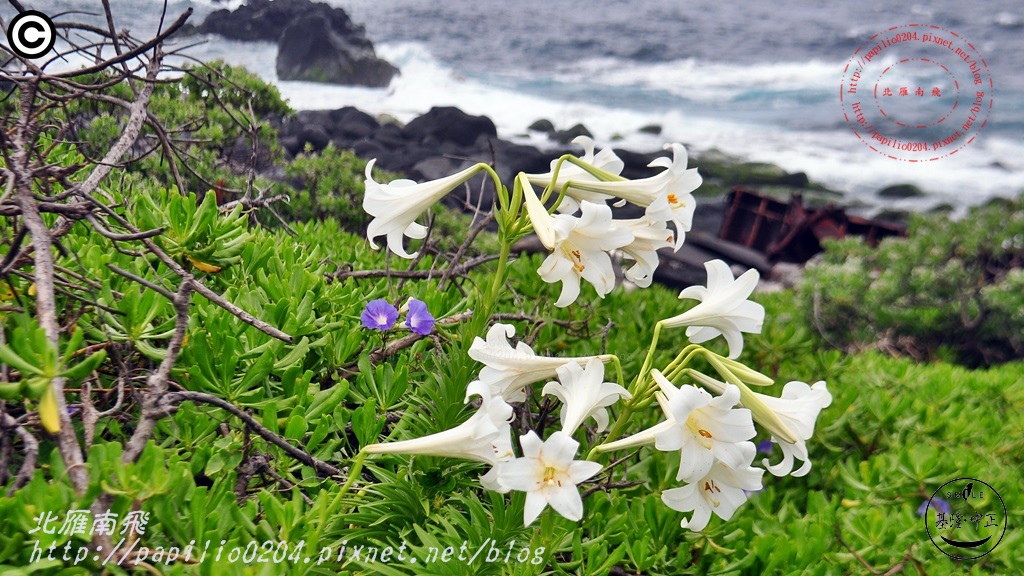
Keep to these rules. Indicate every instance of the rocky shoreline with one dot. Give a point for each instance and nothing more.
(321, 43)
(445, 140)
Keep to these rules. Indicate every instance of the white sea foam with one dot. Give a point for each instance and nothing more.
(710, 82)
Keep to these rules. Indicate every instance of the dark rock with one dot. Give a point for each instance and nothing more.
(306, 126)
(311, 50)
(389, 135)
(290, 145)
(900, 191)
(449, 124)
(436, 168)
(892, 215)
(352, 124)
(315, 136)
(368, 149)
(521, 158)
(316, 42)
(239, 156)
(566, 136)
(309, 118)
(999, 202)
(795, 179)
(265, 20)
(404, 160)
(650, 129)
(542, 125)
(636, 163)
(733, 173)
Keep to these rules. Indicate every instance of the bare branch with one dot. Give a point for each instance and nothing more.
(46, 311)
(131, 132)
(309, 460)
(28, 466)
(258, 202)
(158, 289)
(155, 404)
(460, 270)
(155, 41)
(463, 247)
(121, 237)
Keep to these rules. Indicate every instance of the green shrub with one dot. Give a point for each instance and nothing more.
(952, 289)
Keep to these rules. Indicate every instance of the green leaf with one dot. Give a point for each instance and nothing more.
(365, 423)
(326, 400)
(293, 357)
(296, 428)
(8, 356)
(85, 367)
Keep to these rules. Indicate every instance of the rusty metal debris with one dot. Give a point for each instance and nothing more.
(789, 231)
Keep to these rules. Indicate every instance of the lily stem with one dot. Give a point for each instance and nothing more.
(499, 276)
(648, 360)
(353, 472)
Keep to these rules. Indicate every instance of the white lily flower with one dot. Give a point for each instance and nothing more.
(724, 308)
(395, 206)
(605, 160)
(721, 491)
(583, 394)
(708, 428)
(485, 437)
(791, 416)
(548, 474)
(704, 428)
(507, 370)
(648, 237)
(579, 246)
(668, 195)
(798, 408)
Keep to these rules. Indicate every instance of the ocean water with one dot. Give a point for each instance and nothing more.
(758, 81)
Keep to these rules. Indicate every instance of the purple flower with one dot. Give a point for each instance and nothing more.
(379, 315)
(419, 319)
(765, 447)
(935, 502)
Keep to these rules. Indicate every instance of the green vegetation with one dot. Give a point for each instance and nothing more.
(895, 432)
(953, 289)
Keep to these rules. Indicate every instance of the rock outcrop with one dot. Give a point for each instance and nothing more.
(446, 140)
(316, 42)
(311, 49)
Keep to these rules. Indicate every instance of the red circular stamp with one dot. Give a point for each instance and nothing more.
(916, 93)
